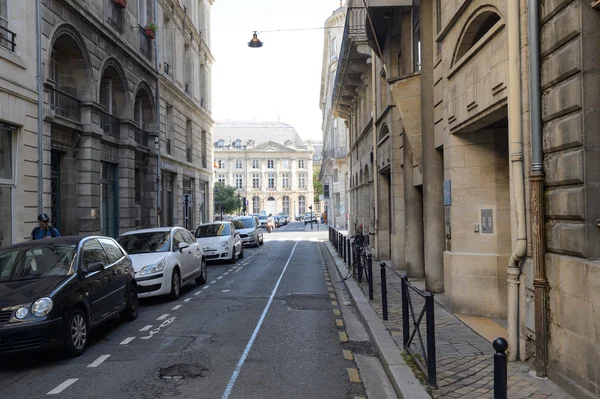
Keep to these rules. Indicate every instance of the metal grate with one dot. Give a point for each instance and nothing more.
(7, 37)
(5, 315)
(110, 124)
(65, 105)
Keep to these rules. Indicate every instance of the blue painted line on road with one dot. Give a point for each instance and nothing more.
(238, 368)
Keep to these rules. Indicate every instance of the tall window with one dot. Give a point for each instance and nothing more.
(335, 175)
(3, 18)
(286, 164)
(169, 127)
(255, 180)
(286, 205)
(255, 205)
(143, 12)
(189, 140)
(239, 182)
(333, 48)
(221, 179)
(301, 164)
(438, 15)
(114, 15)
(271, 181)
(168, 47)
(285, 181)
(270, 164)
(187, 69)
(237, 144)
(301, 204)
(301, 180)
(221, 143)
(416, 23)
(238, 164)
(255, 164)
(6, 184)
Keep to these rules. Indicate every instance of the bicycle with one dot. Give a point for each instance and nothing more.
(357, 268)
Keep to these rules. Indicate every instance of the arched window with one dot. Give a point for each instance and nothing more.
(480, 25)
(383, 132)
(302, 204)
(255, 204)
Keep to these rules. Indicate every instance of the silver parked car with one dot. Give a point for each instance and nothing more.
(250, 230)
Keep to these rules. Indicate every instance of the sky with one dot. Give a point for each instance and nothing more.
(280, 81)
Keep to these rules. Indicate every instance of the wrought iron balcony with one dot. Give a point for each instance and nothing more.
(141, 137)
(65, 105)
(110, 124)
(7, 38)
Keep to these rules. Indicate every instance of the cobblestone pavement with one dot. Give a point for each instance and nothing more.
(464, 358)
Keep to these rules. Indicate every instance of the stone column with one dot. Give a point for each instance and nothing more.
(433, 163)
(413, 207)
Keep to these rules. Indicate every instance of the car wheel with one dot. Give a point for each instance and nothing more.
(233, 257)
(130, 312)
(203, 273)
(175, 285)
(241, 255)
(76, 337)
(262, 240)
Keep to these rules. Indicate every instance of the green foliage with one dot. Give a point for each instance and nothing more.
(318, 186)
(151, 25)
(226, 197)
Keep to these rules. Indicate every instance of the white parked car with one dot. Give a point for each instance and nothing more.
(220, 241)
(164, 259)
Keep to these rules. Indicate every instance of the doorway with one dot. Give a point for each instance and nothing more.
(271, 206)
(109, 193)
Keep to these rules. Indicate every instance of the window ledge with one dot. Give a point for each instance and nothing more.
(12, 57)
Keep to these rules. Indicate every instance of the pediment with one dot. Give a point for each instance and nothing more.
(271, 146)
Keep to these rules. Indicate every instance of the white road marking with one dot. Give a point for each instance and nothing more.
(98, 361)
(187, 300)
(62, 386)
(146, 328)
(225, 291)
(214, 281)
(226, 273)
(220, 277)
(238, 368)
(176, 307)
(127, 341)
(157, 329)
(205, 287)
(163, 316)
(231, 269)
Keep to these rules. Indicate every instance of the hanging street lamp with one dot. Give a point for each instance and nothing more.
(255, 42)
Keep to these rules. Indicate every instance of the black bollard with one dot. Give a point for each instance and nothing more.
(349, 252)
(344, 248)
(500, 369)
(383, 291)
(405, 315)
(370, 275)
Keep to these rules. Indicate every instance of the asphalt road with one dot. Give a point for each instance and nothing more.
(267, 327)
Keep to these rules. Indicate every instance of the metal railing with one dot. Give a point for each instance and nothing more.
(145, 43)
(7, 38)
(141, 137)
(110, 124)
(425, 358)
(65, 105)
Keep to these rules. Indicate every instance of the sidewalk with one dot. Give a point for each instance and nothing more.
(464, 358)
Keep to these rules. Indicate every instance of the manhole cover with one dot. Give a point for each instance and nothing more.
(181, 371)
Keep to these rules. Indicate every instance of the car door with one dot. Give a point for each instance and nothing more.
(98, 285)
(259, 229)
(185, 256)
(120, 269)
(237, 240)
(196, 252)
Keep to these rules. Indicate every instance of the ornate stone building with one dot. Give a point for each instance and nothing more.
(268, 163)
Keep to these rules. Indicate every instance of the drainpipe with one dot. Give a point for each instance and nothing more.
(515, 129)
(157, 101)
(540, 284)
(375, 162)
(40, 114)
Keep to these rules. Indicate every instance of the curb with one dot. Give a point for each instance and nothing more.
(406, 385)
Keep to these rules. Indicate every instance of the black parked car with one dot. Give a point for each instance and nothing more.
(54, 291)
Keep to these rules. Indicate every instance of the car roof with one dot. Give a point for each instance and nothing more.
(153, 230)
(68, 240)
(211, 223)
(243, 217)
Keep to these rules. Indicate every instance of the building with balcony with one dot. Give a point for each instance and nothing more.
(269, 164)
(185, 67)
(94, 166)
(334, 164)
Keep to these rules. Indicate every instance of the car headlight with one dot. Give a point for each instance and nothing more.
(21, 313)
(153, 268)
(224, 244)
(41, 307)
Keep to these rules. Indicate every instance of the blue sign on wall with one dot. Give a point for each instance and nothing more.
(447, 193)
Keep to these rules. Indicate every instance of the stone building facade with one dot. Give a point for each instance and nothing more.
(505, 228)
(334, 169)
(268, 163)
(98, 116)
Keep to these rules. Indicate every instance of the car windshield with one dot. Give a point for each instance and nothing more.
(248, 223)
(142, 243)
(39, 261)
(263, 218)
(213, 230)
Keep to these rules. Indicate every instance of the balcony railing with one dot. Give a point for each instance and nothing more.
(141, 137)
(7, 38)
(145, 43)
(340, 152)
(110, 124)
(64, 105)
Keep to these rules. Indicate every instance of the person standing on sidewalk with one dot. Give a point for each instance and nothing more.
(44, 230)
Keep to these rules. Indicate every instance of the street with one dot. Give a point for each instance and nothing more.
(264, 327)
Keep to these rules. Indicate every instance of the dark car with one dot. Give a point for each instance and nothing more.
(54, 291)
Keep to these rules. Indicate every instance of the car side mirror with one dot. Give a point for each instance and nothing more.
(182, 246)
(94, 267)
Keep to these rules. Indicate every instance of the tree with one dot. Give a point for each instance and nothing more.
(226, 197)
(318, 186)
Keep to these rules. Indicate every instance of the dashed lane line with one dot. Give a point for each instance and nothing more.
(98, 361)
(126, 341)
(220, 277)
(146, 328)
(187, 300)
(176, 307)
(213, 282)
(63, 386)
(163, 316)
